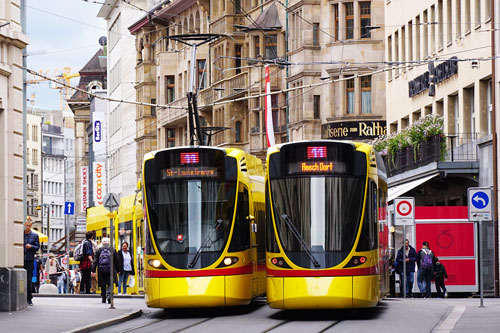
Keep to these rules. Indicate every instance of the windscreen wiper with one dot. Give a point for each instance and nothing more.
(204, 244)
(294, 231)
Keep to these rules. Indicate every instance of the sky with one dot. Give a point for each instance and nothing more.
(62, 33)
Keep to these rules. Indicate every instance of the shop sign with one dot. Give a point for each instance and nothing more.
(433, 76)
(353, 130)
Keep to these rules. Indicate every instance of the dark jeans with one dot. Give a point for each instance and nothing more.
(409, 283)
(424, 279)
(440, 287)
(86, 281)
(28, 266)
(105, 292)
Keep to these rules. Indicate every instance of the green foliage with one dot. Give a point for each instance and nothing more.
(414, 135)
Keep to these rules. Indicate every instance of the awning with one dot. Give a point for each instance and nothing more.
(41, 237)
(398, 190)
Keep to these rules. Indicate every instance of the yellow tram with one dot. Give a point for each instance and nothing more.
(128, 226)
(205, 227)
(326, 226)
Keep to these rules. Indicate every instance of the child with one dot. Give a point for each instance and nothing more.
(439, 276)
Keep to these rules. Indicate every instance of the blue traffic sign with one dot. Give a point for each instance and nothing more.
(69, 208)
(480, 200)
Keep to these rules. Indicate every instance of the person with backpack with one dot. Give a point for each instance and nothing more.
(411, 256)
(86, 263)
(439, 277)
(102, 263)
(426, 262)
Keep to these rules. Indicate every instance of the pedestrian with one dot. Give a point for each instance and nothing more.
(53, 269)
(426, 262)
(411, 256)
(125, 268)
(440, 276)
(86, 263)
(31, 245)
(61, 283)
(102, 264)
(77, 278)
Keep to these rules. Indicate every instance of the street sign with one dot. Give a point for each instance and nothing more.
(404, 211)
(111, 202)
(69, 208)
(479, 203)
(64, 261)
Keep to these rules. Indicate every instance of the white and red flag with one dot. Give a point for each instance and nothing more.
(269, 111)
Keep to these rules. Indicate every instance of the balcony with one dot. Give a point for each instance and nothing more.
(169, 116)
(53, 151)
(439, 149)
(231, 87)
(51, 129)
(225, 25)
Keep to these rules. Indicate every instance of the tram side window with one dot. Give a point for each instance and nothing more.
(369, 233)
(241, 234)
(271, 244)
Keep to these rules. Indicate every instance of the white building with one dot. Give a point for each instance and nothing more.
(53, 181)
(121, 80)
(33, 162)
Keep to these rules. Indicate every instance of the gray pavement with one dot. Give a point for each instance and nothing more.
(87, 314)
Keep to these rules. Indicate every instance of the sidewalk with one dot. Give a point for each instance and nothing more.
(70, 314)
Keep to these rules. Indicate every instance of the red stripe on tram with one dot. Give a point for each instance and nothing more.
(322, 272)
(248, 269)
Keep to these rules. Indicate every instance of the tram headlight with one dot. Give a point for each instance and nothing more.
(155, 263)
(228, 261)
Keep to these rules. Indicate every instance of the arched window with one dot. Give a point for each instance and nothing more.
(191, 24)
(197, 22)
(185, 29)
(238, 131)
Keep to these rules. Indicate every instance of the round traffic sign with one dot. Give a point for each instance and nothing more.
(64, 261)
(480, 200)
(404, 208)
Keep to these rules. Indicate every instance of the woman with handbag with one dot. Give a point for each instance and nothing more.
(125, 268)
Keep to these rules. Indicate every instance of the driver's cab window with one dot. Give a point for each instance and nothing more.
(241, 234)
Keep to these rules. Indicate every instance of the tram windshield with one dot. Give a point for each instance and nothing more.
(182, 216)
(324, 211)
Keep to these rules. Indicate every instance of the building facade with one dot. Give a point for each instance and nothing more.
(53, 165)
(12, 42)
(33, 161)
(92, 78)
(438, 51)
(121, 81)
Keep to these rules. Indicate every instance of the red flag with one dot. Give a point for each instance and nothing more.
(269, 112)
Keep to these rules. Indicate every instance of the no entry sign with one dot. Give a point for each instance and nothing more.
(404, 211)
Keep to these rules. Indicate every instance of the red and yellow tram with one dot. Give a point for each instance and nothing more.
(203, 208)
(326, 226)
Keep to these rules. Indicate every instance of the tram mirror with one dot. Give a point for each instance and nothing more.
(250, 218)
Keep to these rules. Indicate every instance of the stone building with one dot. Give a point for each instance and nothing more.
(12, 42)
(436, 49)
(121, 63)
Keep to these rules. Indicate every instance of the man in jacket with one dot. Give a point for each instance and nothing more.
(102, 263)
(31, 245)
(426, 268)
(411, 256)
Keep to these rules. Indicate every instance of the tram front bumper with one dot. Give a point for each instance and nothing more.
(202, 291)
(339, 292)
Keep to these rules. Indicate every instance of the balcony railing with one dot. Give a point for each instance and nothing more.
(53, 151)
(170, 115)
(444, 148)
(51, 129)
